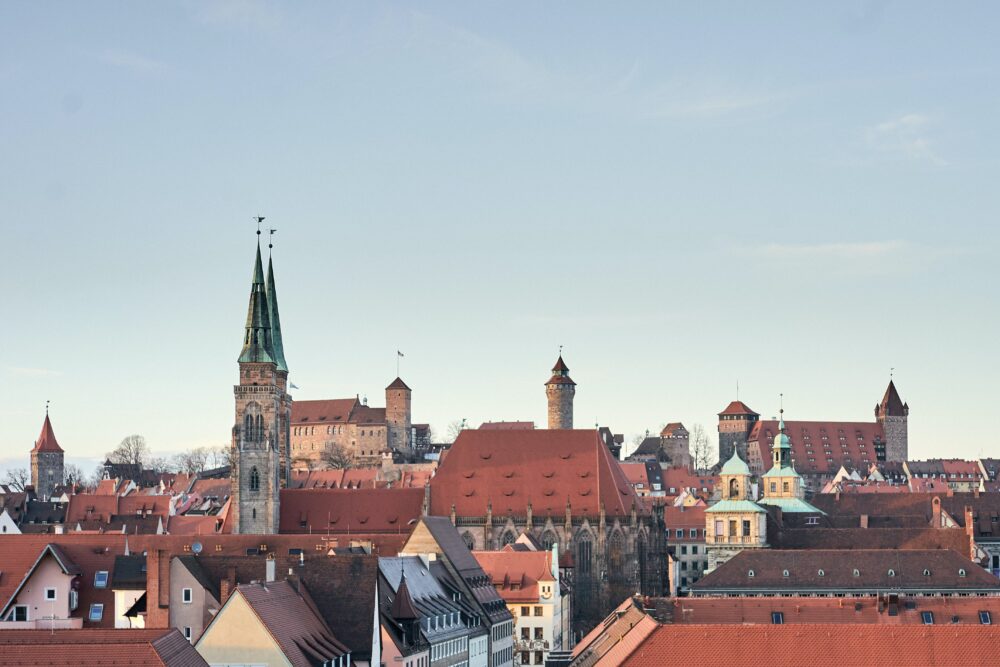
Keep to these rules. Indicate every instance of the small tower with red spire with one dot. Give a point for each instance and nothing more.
(47, 467)
(560, 390)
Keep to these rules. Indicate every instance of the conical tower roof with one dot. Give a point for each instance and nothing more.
(403, 607)
(892, 405)
(47, 438)
(272, 309)
(560, 373)
(257, 335)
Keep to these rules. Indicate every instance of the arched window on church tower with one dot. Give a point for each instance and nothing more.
(254, 479)
(548, 539)
(469, 540)
(508, 538)
(616, 555)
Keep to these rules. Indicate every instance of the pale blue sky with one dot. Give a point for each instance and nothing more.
(794, 195)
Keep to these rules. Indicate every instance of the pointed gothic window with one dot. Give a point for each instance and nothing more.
(254, 480)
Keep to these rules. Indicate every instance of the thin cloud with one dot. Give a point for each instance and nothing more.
(32, 372)
(854, 257)
(131, 61)
(905, 136)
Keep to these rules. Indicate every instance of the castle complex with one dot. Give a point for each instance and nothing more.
(560, 390)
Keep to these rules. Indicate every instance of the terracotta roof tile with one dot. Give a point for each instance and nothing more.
(738, 408)
(516, 574)
(91, 648)
(47, 438)
(850, 444)
(392, 511)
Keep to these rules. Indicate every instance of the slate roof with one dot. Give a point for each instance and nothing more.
(129, 572)
(833, 570)
(544, 467)
(162, 647)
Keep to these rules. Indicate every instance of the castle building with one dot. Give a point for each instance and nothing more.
(46, 462)
(820, 448)
(352, 426)
(560, 390)
(260, 447)
(735, 424)
(672, 447)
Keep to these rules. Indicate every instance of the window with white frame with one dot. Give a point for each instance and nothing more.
(96, 612)
(50, 595)
(101, 579)
(187, 595)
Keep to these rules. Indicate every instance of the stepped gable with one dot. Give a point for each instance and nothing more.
(821, 460)
(546, 468)
(47, 438)
(367, 511)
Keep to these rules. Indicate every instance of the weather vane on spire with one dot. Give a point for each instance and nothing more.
(259, 219)
(560, 350)
(891, 371)
(46, 408)
(270, 239)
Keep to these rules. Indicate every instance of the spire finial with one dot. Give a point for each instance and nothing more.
(270, 240)
(891, 371)
(560, 350)
(46, 408)
(259, 219)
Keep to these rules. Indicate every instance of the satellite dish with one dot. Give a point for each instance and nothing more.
(196, 547)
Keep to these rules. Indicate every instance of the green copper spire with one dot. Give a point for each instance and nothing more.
(272, 308)
(257, 338)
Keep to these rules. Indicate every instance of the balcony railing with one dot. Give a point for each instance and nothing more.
(531, 645)
(732, 539)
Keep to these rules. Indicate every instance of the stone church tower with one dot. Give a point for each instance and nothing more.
(263, 410)
(892, 413)
(46, 462)
(398, 417)
(560, 390)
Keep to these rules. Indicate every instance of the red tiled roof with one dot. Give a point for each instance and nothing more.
(366, 415)
(817, 459)
(87, 648)
(507, 426)
(47, 438)
(685, 518)
(350, 510)
(515, 574)
(679, 477)
(560, 366)
(738, 408)
(101, 508)
(351, 478)
(823, 645)
(669, 429)
(546, 468)
(635, 473)
(335, 411)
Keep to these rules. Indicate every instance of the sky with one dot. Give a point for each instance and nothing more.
(795, 197)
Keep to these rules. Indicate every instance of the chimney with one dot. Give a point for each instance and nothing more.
(157, 589)
(864, 520)
(269, 570)
(227, 585)
(970, 530)
(936, 512)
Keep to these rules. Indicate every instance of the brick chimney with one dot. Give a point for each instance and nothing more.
(157, 589)
(936, 512)
(227, 585)
(970, 530)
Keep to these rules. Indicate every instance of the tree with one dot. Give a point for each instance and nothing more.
(17, 479)
(699, 447)
(193, 461)
(132, 450)
(96, 477)
(454, 428)
(220, 456)
(73, 474)
(336, 456)
(160, 464)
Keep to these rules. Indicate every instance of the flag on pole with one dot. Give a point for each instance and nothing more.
(400, 353)
(293, 385)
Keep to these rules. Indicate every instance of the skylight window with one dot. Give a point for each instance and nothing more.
(101, 579)
(777, 618)
(96, 612)
(927, 617)
(985, 618)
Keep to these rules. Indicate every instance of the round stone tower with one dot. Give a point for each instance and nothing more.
(560, 390)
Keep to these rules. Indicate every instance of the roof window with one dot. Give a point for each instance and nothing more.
(961, 572)
(784, 573)
(927, 617)
(821, 573)
(750, 573)
(985, 618)
(892, 573)
(777, 618)
(101, 579)
(927, 572)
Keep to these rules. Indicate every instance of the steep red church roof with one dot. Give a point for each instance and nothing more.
(546, 468)
(47, 439)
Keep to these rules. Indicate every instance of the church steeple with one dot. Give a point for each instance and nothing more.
(272, 308)
(257, 345)
(782, 448)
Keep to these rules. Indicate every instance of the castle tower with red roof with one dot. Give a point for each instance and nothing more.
(46, 462)
(260, 434)
(398, 417)
(892, 413)
(735, 424)
(560, 390)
